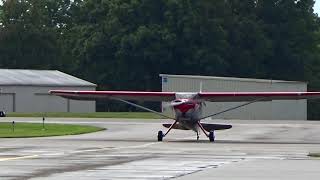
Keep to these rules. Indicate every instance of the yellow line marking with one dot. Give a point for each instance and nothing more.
(17, 158)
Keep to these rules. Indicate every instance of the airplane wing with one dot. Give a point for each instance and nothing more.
(255, 96)
(170, 96)
(123, 95)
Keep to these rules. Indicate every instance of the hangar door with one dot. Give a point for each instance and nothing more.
(49, 103)
(7, 102)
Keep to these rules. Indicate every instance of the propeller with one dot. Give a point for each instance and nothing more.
(174, 103)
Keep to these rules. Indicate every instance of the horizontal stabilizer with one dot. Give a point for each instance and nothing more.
(207, 127)
(212, 127)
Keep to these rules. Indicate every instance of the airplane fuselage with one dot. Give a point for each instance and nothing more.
(187, 112)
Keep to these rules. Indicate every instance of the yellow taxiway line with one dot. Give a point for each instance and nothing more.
(17, 158)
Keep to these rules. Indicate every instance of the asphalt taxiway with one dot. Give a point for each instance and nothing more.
(128, 150)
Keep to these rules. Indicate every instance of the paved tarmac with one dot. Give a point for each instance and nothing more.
(129, 150)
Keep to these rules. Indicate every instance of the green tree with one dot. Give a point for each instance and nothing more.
(126, 44)
(30, 32)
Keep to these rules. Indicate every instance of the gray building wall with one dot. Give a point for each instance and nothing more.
(286, 110)
(37, 99)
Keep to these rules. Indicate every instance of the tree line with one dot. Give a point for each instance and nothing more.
(126, 44)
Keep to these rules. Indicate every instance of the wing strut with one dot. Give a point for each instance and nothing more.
(144, 108)
(233, 108)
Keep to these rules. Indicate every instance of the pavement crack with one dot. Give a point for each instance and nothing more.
(80, 167)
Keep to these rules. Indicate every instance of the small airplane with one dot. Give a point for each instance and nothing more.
(187, 105)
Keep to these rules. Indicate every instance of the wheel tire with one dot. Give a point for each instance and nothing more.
(160, 135)
(211, 136)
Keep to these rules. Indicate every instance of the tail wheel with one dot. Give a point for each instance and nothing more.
(211, 136)
(160, 135)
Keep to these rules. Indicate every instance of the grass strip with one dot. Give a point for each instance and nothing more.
(22, 130)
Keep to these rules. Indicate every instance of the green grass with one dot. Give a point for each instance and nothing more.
(136, 115)
(314, 155)
(36, 130)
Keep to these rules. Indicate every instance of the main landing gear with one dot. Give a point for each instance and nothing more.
(211, 135)
(160, 133)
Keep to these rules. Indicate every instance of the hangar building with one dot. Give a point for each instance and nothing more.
(27, 91)
(277, 110)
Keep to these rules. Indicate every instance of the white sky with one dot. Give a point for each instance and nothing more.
(317, 7)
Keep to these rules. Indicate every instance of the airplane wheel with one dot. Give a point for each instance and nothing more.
(160, 135)
(211, 136)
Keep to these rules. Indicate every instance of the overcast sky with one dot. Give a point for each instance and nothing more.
(317, 7)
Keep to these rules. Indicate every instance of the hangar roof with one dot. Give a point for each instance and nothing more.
(231, 79)
(22, 77)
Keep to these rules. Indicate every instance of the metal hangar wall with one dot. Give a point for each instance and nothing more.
(270, 110)
(27, 91)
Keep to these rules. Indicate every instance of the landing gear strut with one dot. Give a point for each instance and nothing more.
(160, 133)
(210, 135)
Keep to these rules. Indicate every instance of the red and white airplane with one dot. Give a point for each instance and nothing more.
(187, 105)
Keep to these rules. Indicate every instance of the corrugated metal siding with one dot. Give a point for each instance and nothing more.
(291, 110)
(7, 102)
